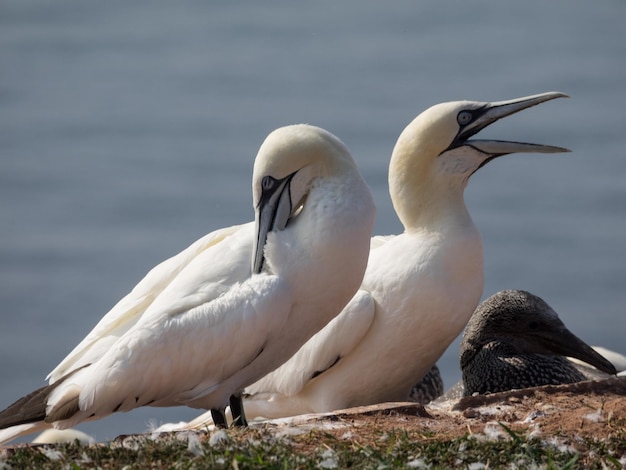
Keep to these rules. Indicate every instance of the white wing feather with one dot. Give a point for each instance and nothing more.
(195, 350)
(334, 341)
(127, 312)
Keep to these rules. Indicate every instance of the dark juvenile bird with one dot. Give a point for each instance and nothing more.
(516, 340)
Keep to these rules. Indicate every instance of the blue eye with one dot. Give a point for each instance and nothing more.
(464, 118)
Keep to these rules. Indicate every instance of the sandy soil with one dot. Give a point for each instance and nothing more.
(565, 416)
(595, 409)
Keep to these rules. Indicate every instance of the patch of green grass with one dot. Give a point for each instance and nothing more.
(260, 448)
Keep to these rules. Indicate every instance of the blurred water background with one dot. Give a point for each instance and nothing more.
(128, 130)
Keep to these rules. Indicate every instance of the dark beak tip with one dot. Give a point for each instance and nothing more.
(611, 369)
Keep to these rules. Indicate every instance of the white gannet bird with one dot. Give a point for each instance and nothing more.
(420, 287)
(230, 308)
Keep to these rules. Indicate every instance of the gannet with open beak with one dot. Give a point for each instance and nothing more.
(420, 287)
(230, 308)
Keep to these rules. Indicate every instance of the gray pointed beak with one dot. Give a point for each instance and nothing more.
(272, 214)
(566, 343)
(504, 147)
(492, 112)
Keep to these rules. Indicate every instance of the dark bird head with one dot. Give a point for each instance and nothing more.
(525, 323)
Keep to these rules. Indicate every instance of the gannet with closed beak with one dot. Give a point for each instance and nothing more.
(230, 308)
(516, 340)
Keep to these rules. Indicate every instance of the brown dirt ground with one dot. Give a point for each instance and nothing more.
(588, 410)
(571, 414)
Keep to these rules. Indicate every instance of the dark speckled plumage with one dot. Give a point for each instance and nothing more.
(515, 340)
(429, 388)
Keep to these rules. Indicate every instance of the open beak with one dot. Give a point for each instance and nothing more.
(272, 214)
(492, 112)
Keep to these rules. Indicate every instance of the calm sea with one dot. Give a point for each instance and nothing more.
(128, 130)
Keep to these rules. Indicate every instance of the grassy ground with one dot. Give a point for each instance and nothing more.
(313, 449)
(576, 426)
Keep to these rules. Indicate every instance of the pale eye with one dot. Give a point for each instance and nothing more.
(464, 118)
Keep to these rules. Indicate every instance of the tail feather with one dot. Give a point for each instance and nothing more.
(14, 432)
(28, 409)
(28, 414)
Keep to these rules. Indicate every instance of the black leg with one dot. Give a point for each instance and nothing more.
(219, 418)
(236, 409)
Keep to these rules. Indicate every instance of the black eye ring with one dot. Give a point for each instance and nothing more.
(464, 118)
(533, 325)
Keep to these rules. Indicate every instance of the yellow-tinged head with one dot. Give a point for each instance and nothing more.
(434, 156)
